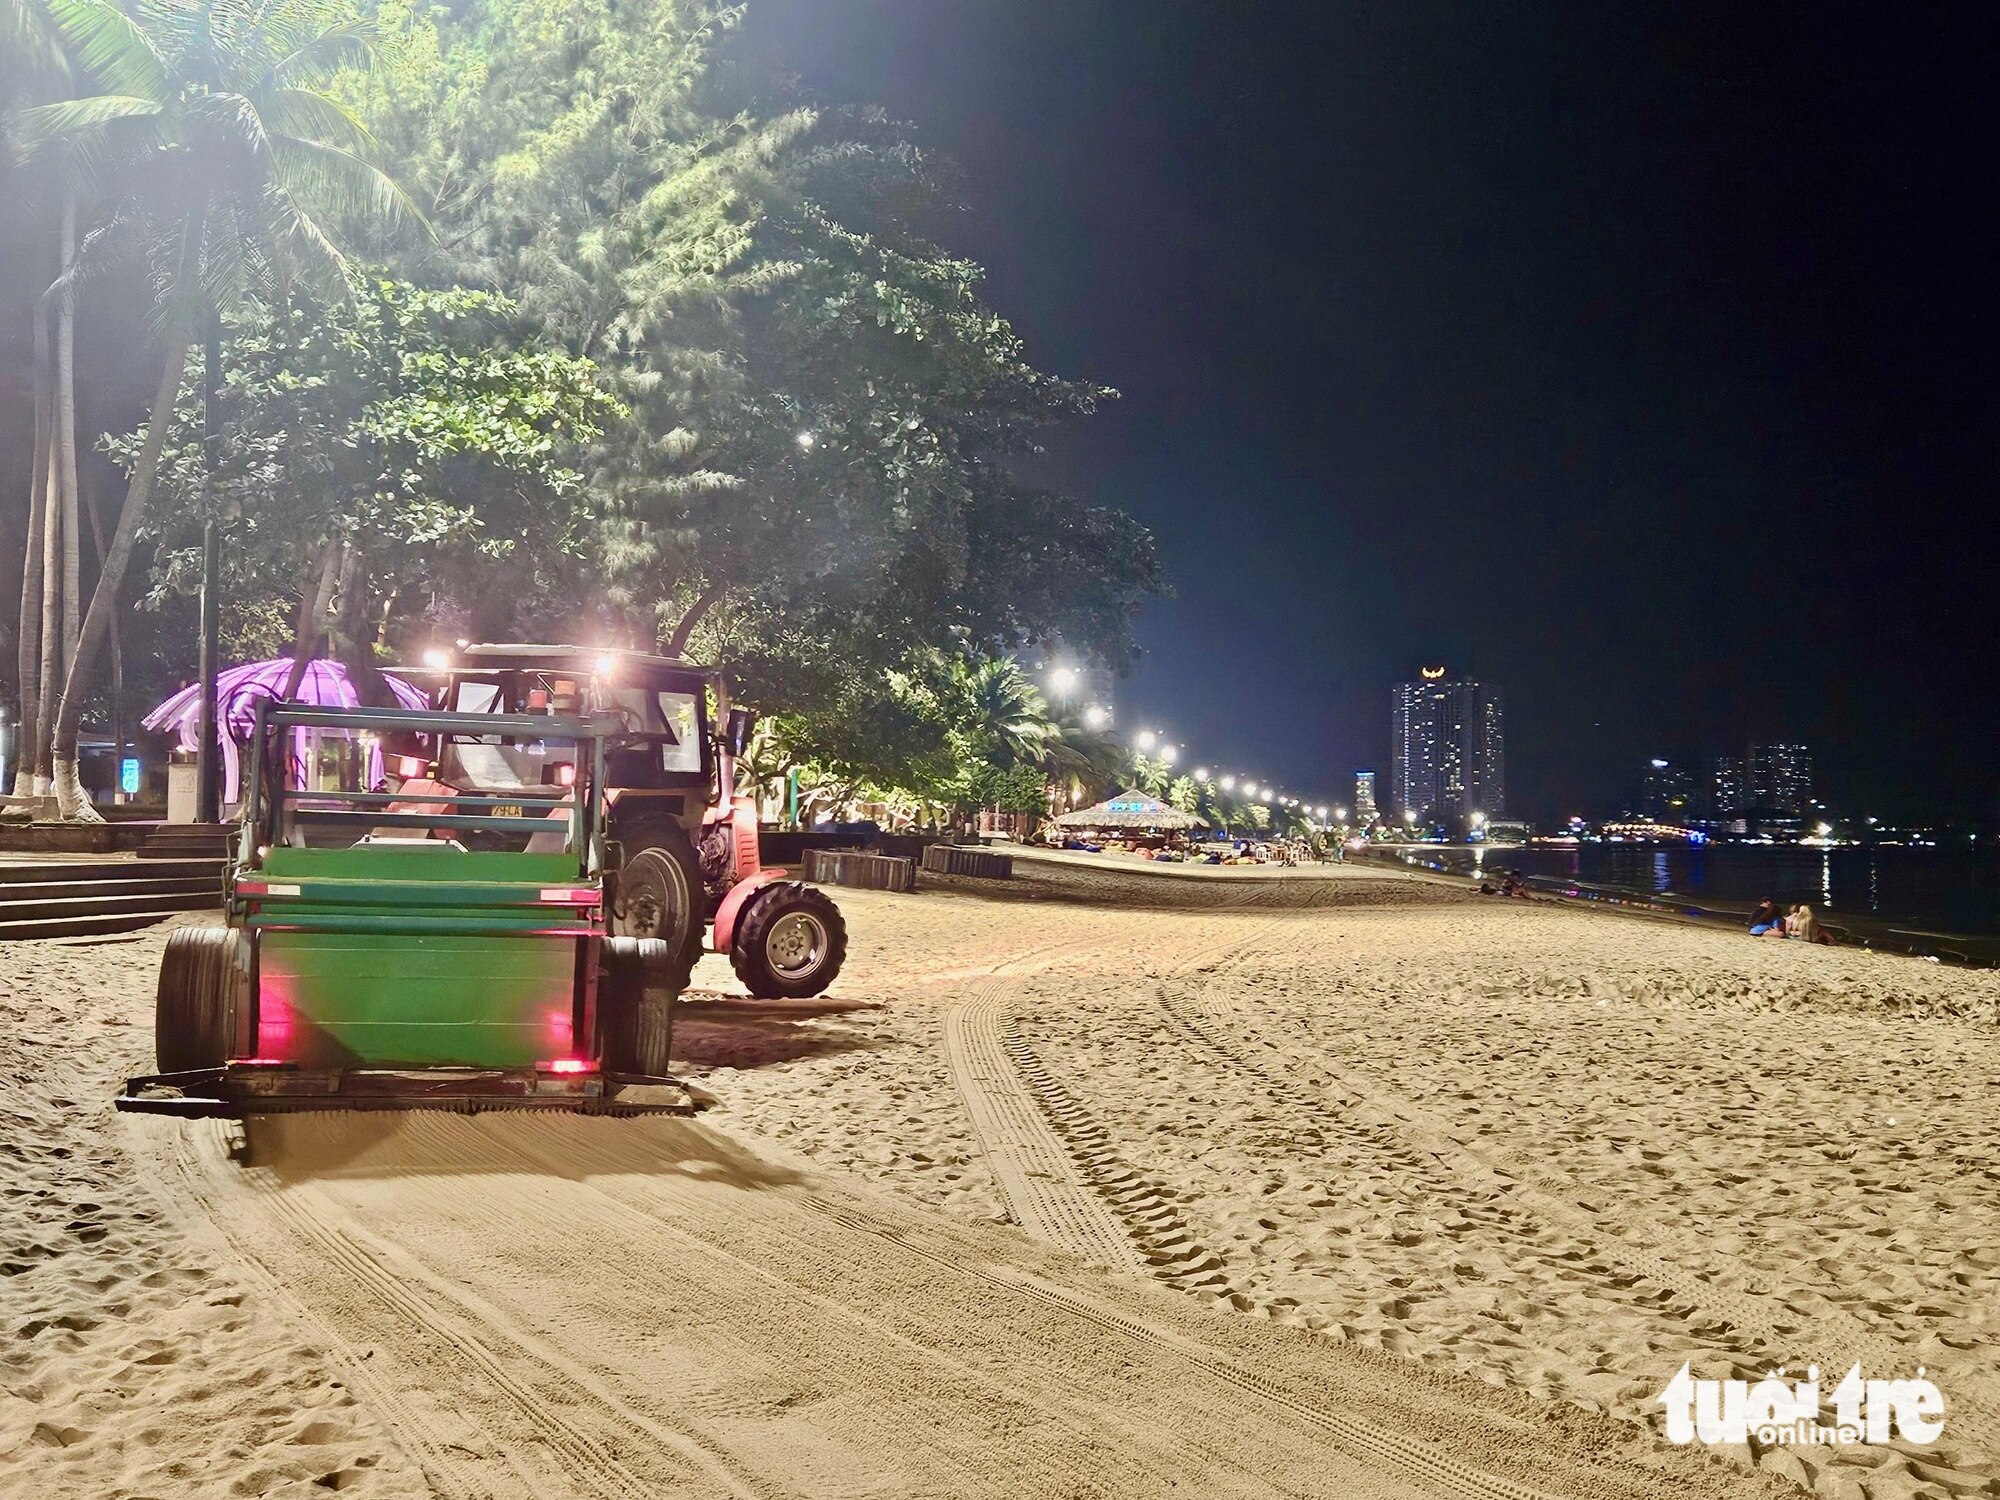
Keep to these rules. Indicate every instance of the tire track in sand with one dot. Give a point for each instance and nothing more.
(595, 1275)
(1773, 1330)
(456, 1328)
(1055, 1167)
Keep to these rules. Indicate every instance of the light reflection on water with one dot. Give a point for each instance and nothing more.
(1945, 890)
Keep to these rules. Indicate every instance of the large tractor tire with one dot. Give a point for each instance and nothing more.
(790, 942)
(194, 1009)
(660, 889)
(639, 980)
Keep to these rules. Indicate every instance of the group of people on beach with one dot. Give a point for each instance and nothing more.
(1767, 921)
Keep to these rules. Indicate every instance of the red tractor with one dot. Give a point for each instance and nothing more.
(689, 839)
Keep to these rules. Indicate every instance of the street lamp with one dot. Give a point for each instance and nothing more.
(1169, 754)
(806, 441)
(1062, 679)
(1147, 739)
(1228, 783)
(1097, 716)
(1249, 788)
(1201, 773)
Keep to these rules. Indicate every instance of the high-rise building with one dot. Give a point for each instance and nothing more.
(1728, 787)
(1365, 810)
(1781, 778)
(1448, 742)
(1669, 794)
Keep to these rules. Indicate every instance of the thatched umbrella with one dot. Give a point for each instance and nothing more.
(1130, 809)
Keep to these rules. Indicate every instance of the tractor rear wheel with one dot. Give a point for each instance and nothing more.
(790, 942)
(194, 1008)
(638, 982)
(660, 889)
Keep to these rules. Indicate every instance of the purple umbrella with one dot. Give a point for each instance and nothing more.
(325, 685)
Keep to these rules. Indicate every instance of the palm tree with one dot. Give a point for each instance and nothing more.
(218, 153)
(35, 65)
(1004, 713)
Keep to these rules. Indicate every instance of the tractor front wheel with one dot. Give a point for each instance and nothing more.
(194, 1009)
(790, 942)
(638, 982)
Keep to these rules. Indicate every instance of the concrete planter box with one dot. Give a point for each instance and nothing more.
(874, 872)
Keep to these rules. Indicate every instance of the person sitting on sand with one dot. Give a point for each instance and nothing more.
(1804, 926)
(1765, 917)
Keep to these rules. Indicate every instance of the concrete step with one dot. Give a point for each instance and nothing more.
(60, 871)
(181, 840)
(208, 886)
(92, 925)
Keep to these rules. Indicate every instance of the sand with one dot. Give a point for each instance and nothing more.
(1110, 1180)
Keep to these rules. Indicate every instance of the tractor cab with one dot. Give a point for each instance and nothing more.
(691, 857)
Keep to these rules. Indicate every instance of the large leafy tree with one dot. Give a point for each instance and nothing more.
(403, 444)
(213, 153)
(816, 482)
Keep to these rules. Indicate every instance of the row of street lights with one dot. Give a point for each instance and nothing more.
(1150, 742)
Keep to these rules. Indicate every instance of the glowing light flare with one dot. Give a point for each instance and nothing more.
(1227, 783)
(1170, 753)
(567, 1065)
(1097, 716)
(1147, 739)
(437, 660)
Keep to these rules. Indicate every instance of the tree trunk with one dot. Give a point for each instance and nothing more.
(33, 706)
(70, 800)
(208, 764)
(707, 600)
(352, 633)
(65, 439)
(314, 604)
(88, 490)
(52, 638)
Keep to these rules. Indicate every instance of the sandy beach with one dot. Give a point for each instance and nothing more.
(1106, 1180)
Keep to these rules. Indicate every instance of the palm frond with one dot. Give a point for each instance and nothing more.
(317, 58)
(43, 126)
(315, 116)
(112, 48)
(335, 180)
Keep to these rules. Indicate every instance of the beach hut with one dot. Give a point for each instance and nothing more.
(319, 757)
(1133, 812)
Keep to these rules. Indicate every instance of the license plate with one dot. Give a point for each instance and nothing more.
(506, 809)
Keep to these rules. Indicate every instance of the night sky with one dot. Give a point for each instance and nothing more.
(1638, 358)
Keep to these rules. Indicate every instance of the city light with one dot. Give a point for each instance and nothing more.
(1409, 815)
(1097, 716)
(1249, 788)
(1201, 773)
(1479, 820)
(1267, 794)
(1227, 783)
(1169, 754)
(1147, 739)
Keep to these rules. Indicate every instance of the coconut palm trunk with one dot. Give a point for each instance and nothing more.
(70, 799)
(33, 704)
(65, 436)
(49, 672)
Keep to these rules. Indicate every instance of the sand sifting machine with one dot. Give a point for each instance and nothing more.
(437, 942)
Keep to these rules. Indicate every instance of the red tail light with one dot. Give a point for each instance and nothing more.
(567, 1065)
